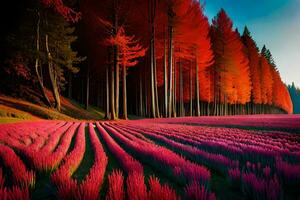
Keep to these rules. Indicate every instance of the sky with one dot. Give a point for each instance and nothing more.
(275, 23)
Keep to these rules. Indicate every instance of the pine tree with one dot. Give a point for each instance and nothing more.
(230, 63)
(254, 63)
(129, 52)
(266, 80)
(58, 54)
(295, 96)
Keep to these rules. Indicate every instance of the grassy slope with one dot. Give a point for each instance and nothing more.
(14, 110)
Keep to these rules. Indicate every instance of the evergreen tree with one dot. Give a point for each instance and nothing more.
(232, 77)
(295, 96)
(57, 37)
(252, 51)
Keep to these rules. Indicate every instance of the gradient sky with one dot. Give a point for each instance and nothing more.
(275, 23)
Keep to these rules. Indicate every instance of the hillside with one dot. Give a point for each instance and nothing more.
(14, 109)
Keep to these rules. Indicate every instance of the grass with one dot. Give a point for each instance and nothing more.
(218, 184)
(5, 120)
(15, 110)
(250, 128)
(32, 110)
(150, 169)
(111, 165)
(44, 189)
(87, 161)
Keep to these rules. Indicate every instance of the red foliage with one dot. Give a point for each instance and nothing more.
(14, 193)
(68, 13)
(266, 81)
(2, 179)
(289, 172)
(17, 68)
(268, 188)
(162, 192)
(115, 186)
(232, 77)
(62, 176)
(255, 71)
(129, 49)
(228, 71)
(181, 168)
(271, 157)
(198, 192)
(128, 163)
(90, 187)
(20, 175)
(136, 190)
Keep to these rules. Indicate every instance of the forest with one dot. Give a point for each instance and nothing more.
(295, 96)
(145, 58)
(209, 116)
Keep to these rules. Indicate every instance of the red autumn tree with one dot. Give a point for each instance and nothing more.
(197, 43)
(184, 68)
(242, 81)
(129, 52)
(266, 80)
(230, 63)
(254, 59)
(68, 13)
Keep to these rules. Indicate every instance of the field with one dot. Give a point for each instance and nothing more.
(246, 157)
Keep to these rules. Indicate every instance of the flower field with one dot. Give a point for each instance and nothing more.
(182, 158)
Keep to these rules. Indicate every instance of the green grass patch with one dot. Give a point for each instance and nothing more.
(87, 161)
(4, 120)
(44, 189)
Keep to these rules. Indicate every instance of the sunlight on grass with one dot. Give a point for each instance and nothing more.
(4, 120)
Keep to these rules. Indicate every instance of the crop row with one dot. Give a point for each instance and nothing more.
(264, 180)
(261, 164)
(136, 188)
(178, 166)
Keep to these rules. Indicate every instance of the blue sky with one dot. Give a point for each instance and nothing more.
(275, 23)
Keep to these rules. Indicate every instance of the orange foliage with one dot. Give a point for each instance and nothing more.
(253, 55)
(266, 81)
(130, 50)
(231, 81)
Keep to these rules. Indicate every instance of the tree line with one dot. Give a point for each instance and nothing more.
(295, 96)
(152, 59)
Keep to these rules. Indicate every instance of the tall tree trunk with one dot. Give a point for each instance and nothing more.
(170, 57)
(152, 59)
(197, 90)
(87, 97)
(191, 91)
(37, 64)
(70, 85)
(155, 80)
(124, 93)
(141, 94)
(117, 81)
(107, 93)
(146, 93)
(116, 64)
(165, 78)
(112, 93)
(52, 75)
(174, 93)
(153, 110)
(181, 89)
